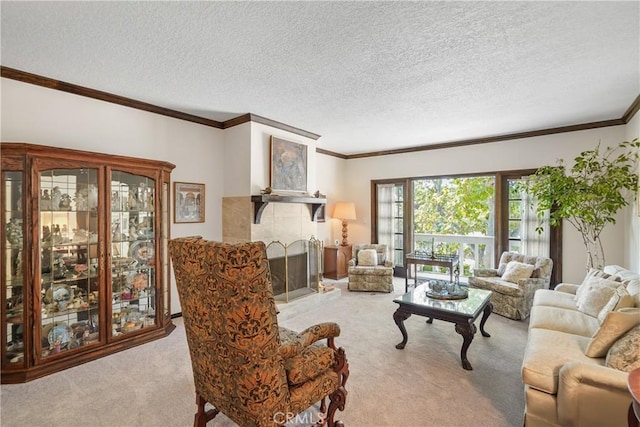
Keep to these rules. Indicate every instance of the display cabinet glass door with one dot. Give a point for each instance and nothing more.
(13, 336)
(69, 251)
(165, 252)
(133, 243)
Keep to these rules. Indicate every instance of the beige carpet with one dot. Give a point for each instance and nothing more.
(422, 385)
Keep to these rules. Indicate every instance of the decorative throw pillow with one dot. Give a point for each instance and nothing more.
(598, 273)
(593, 273)
(624, 354)
(594, 298)
(621, 272)
(620, 299)
(501, 269)
(593, 282)
(517, 270)
(615, 325)
(367, 257)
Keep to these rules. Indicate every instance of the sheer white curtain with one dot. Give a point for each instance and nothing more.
(385, 217)
(533, 242)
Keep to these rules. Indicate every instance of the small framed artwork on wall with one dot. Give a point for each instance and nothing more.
(188, 202)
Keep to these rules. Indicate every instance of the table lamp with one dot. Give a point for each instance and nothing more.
(345, 211)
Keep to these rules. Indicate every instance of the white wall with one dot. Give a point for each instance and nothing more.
(526, 153)
(632, 218)
(332, 183)
(237, 160)
(38, 115)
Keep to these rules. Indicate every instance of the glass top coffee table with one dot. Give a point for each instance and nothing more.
(462, 312)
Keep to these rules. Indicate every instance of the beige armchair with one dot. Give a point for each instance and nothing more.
(369, 272)
(513, 293)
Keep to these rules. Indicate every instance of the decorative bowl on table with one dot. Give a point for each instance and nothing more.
(445, 290)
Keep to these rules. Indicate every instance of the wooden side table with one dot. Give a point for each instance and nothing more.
(336, 261)
(633, 382)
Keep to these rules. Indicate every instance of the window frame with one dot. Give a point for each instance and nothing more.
(501, 208)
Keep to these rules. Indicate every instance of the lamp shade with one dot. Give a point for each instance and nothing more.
(345, 210)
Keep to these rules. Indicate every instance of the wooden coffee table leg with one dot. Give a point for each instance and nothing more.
(467, 331)
(488, 309)
(399, 317)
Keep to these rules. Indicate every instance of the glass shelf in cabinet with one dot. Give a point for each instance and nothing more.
(52, 315)
(15, 317)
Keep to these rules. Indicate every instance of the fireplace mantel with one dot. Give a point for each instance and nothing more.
(261, 201)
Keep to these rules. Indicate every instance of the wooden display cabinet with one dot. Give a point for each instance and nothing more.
(336, 261)
(85, 257)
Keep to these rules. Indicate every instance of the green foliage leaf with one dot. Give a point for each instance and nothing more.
(468, 200)
(597, 186)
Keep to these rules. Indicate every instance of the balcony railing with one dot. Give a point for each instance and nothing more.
(473, 251)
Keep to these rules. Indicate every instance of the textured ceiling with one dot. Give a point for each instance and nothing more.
(366, 76)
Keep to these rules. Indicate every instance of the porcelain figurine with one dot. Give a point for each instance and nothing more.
(81, 202)
(141, 196)
(115, 201)
(46, 233)
(65, 202)
(45, 201)
(56, 198)
(92, 196)
(117, 233)
(133, 231)
(132, 202)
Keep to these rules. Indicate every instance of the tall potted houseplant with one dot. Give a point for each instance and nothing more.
(588, 195)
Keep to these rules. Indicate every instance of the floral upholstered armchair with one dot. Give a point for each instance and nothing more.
(244, 365)
(514, 282)
(370, 269)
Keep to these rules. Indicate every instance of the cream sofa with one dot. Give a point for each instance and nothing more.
(564, 386)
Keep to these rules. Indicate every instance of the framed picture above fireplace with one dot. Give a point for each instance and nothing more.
(288, 166)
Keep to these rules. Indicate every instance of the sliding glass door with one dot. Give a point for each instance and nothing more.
(390, 221)
(455, 216)
(476, 217)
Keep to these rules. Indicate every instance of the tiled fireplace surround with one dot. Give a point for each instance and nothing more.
(284, 222)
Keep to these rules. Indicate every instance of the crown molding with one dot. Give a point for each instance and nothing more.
(250, 117)
(331, 153)
(490, 139)
(632, 110)
(23, 76)
(50, 83)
